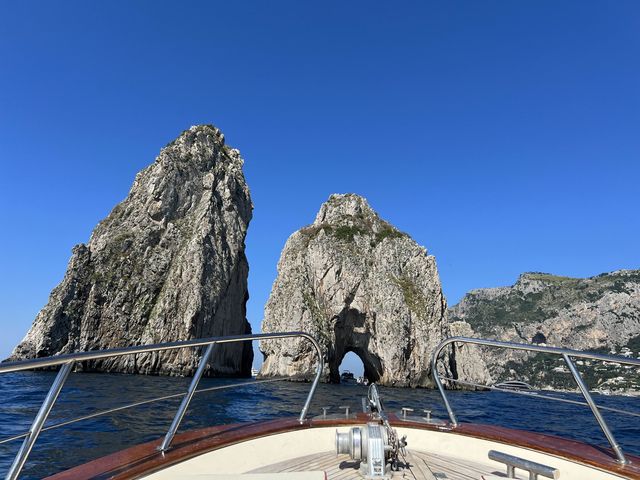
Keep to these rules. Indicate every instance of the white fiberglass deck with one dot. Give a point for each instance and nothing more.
(431, 455)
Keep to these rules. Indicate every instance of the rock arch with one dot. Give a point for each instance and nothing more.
(351, 335)
(358, 284)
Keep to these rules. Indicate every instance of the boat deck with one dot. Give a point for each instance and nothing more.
(286, 445)
(419, 466)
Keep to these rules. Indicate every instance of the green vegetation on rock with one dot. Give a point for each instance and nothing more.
(556, 280)
(378, 229)
(387, 232)
(412, 295)
(513, 308)
(537, 297)
(318, 318)
(346, 232)
(634, 345)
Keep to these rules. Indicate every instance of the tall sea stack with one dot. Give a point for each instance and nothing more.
(359, 285)
(167, 264)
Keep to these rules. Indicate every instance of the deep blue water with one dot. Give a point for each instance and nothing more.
(22, 393)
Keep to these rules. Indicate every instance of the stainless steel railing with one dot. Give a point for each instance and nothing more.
(67, 361)
(566, 355)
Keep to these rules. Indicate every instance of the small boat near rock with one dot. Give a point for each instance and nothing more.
(347, 377)
(513, 385)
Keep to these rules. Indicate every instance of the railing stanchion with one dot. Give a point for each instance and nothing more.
(594, 408)
(187, 399)
(307, 403)
(436, 379)
(38, 422)
(566, 354)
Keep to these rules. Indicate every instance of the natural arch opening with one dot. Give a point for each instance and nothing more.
(352, 336)
(351, 368)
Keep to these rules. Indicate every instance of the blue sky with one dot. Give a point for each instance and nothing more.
(503, 136)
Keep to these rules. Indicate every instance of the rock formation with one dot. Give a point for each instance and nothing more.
(600, 313)
(360, 285)
(167, 264)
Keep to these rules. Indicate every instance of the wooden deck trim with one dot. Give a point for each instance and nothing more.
(144, 459)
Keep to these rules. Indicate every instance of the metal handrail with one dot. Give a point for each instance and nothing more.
(536, 395)
(565, 353)
(67, 361)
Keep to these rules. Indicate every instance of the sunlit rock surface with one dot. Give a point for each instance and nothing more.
(167, 264)
(600, 313)
(358, 284)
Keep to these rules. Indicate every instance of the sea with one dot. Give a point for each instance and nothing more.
(246, 400)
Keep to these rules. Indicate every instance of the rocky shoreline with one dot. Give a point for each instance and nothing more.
(599, 314)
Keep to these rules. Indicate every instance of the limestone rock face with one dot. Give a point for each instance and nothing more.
(167, 264)
(467, 362)
(357, 284)
(600, 313)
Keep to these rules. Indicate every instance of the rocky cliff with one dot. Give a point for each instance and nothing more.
(167, 264)
(358, 284)
(600, 313)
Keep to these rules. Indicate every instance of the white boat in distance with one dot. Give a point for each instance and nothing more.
(370, 444)
(513, 385)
